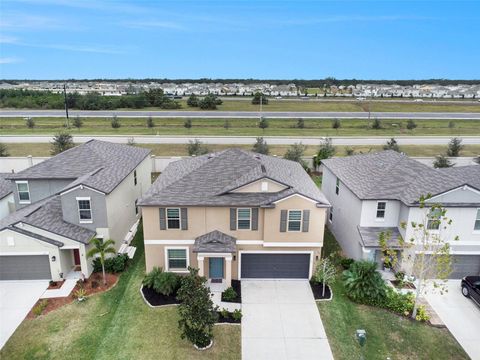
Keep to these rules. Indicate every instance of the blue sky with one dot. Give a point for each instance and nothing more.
(62, 39)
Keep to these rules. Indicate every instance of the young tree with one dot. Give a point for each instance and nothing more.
(325, 151)
(336, 124)
(300, 123)
(196, 147)
(226, 124)
(259, 96)
(131, 141)
(30, 122)
(77, 122)
(349, 151)
(429, 242)
(101, 248)
(411, 124)
(187, 124)
(454, 147)
(197, 314)
(451, 124)
(150, 123)
(325, 273)
(61, 141)
(391, 145)
(209, 102)
(193, 101)
(261, 146)
(115, 122)
(295, 153)
(263, 123)
(3, 150)
(377, 124)
(441, 161)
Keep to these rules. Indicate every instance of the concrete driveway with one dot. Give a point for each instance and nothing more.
(281, 321)
(460, 315)
(16, 300)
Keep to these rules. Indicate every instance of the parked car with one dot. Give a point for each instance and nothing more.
(471, 288)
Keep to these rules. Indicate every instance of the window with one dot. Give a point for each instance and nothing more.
(177, 259)
(337, 186)
(23, 192)
(173, 218)
(381, 206)
(136, 207)
(477, 221)
(330, 215)
(244, 219)
(134, 177)
(84, 210)
(294, 220)
(434, 219)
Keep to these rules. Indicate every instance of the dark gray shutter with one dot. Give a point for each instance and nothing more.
(163, 222)
(233, 219)
(306, 220)
(184, 218)
(254, 218)
(283, 220)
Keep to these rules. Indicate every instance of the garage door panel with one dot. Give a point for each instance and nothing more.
(464, 265)
(25, 267)
(275, 266)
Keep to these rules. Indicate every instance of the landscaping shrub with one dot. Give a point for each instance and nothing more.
(229, 294)
(113, 265)
(400, 277)
(94, 284)
(224, 312)
(346, 263)
(363, 283)
(38, 309)
(237, 315)
(80, 294)
(422, 314)
(152, 277)
(165, 283)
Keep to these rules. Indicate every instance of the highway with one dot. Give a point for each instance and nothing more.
(242, 114)
(242, 140)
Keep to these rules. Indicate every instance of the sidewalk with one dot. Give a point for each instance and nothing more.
(64, 291)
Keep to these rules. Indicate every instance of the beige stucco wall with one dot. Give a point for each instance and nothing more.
(256, 187)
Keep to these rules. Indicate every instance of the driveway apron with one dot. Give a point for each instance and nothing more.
(281, 321)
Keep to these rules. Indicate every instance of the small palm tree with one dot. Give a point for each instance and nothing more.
(101, 248)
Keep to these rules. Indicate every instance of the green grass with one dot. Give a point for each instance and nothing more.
(43, 149)
(115, 325)
(242, 127)
(388, 335)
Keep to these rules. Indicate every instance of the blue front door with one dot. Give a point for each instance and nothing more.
(215, 266)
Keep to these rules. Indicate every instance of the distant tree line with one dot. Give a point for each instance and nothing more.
(92, 101)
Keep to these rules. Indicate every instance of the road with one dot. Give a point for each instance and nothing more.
(243, 114)
(246, 140)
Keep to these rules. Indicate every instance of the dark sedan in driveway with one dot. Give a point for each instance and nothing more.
(471, 288)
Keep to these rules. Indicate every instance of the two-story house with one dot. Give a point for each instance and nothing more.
(379, 192)
(234, 214)
(63, 202)
(6, 196)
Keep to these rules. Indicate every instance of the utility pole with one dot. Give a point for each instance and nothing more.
(66, 105)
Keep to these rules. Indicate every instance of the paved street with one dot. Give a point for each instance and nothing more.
(281, 321)
(243, 114)
(245, 140)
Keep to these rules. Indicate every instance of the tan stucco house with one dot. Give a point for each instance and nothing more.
(234, 214)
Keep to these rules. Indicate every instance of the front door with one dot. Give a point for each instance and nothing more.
(215, 266)
(76, 257)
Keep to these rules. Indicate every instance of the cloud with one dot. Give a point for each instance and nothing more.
(348, 18)
(16, 21)
(5, 39)
(144, 24)
(80, 48)
(10, 60)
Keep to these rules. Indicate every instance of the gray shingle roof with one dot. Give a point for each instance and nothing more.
(369, 236)
(206, 181)
(47, 215)
(215, 242)
(97, 164)
(36, 236)
(391, 175)
(6, 186)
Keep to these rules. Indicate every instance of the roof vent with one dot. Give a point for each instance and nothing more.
(263, 169)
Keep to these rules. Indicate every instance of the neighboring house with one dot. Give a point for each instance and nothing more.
(234, 214)
(377, 192)
(6, 196)
(63, 202)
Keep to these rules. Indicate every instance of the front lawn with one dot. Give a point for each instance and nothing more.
(115, 325)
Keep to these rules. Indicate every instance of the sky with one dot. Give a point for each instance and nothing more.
(80, 39)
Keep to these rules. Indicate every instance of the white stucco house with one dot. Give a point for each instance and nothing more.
(377, 192)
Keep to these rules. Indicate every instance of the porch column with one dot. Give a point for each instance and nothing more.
(228, 271)
(201, 269)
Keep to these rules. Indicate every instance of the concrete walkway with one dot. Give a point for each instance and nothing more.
(281, 321)
(460, 315)
(64, 291)
(16, 300)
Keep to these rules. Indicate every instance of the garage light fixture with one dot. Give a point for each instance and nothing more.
(54, 258)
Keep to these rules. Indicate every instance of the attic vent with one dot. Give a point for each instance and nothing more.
(263, 169)
(257, 157)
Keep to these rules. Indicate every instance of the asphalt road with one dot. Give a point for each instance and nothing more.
(244, 114)
(239, 140)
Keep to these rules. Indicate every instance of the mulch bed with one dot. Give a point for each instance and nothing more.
(228, 320)
(317, 290)
(156, 299)
(55, 285)
(236, 285)
(406, 285)
(92, 285)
